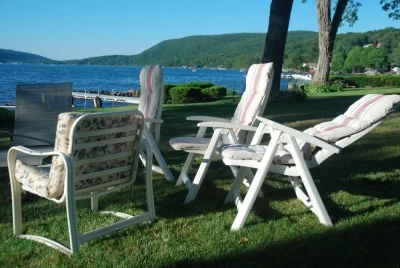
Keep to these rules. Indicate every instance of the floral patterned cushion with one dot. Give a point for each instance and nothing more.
(35, 179)
(49, 183)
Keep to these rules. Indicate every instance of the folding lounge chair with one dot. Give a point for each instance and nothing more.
(293, 153)
(252, 103)
(37, 107)
(95, 154)
(150, 104)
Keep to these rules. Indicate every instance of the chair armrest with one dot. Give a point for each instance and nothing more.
(299, 135)
(207, 118)
(32, 152)
(226, 125)
(152, 120)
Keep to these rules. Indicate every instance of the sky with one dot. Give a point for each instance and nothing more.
(77, 29)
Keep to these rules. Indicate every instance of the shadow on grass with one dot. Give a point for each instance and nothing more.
(370, 245)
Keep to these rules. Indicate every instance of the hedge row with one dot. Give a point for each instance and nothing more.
(193, 92)
(369, 81)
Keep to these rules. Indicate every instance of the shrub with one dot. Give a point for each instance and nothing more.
(167, 96)
(184, 94)
(296, 94)
(6, 116)
(331, 86)
(371, 81)
(213, 93)
(345, 81)
(199, 84)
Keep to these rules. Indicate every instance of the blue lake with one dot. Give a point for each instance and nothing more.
(109, 78)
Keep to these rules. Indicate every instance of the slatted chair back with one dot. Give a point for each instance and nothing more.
(37, 107)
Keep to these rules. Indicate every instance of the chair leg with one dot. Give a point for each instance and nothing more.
(16, 208)
(198, 180)
(163, 167)
(183, 177)
(256, 184)
(315, 203)
(70, 204)
(160, 159)
(313, 200)
(16, 191)
(149, 182)
(94, 203)
(149, 193)
(205, 163)
(234, 192)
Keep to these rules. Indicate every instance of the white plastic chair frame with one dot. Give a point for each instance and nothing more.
(224, 129)
(210, 122)
(70, 194)
(299, 172)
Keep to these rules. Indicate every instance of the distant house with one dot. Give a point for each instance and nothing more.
(377, 45)
(396, 70)
(311, 65)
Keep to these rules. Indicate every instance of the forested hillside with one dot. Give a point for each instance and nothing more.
(236, 51)
(7, 55)
(221, 51)
(386, 42)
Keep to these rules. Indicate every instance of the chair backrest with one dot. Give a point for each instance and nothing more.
(151, 93)
(104, 149)
(255, 96)
(37, 107)
(359, 119)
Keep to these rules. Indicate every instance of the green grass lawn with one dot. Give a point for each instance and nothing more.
(360, 188)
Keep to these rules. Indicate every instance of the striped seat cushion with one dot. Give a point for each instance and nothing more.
(359, 116)
(186, 143)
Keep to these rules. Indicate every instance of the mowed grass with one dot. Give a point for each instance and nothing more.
(360, 188)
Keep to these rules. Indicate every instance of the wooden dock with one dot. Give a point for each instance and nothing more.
(90, 96)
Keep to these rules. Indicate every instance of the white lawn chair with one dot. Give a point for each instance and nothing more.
(150, 104)
(252, 103)
(95, 154)
(293, 153)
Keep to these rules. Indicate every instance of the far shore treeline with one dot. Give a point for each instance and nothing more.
(235, 51)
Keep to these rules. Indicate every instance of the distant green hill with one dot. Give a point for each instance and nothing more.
(231, 51)
(7, 55)
(225, 51)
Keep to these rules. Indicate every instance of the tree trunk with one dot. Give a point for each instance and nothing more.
(274, 49)
(327, 35)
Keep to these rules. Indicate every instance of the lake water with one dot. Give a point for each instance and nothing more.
(109, 78)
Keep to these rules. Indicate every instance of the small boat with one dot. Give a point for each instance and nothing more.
(302, 77)
(193, 70)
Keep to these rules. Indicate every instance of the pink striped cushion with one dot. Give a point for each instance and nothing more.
(372, 107)
(255, 96)
(359, 116)
(151, 85)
